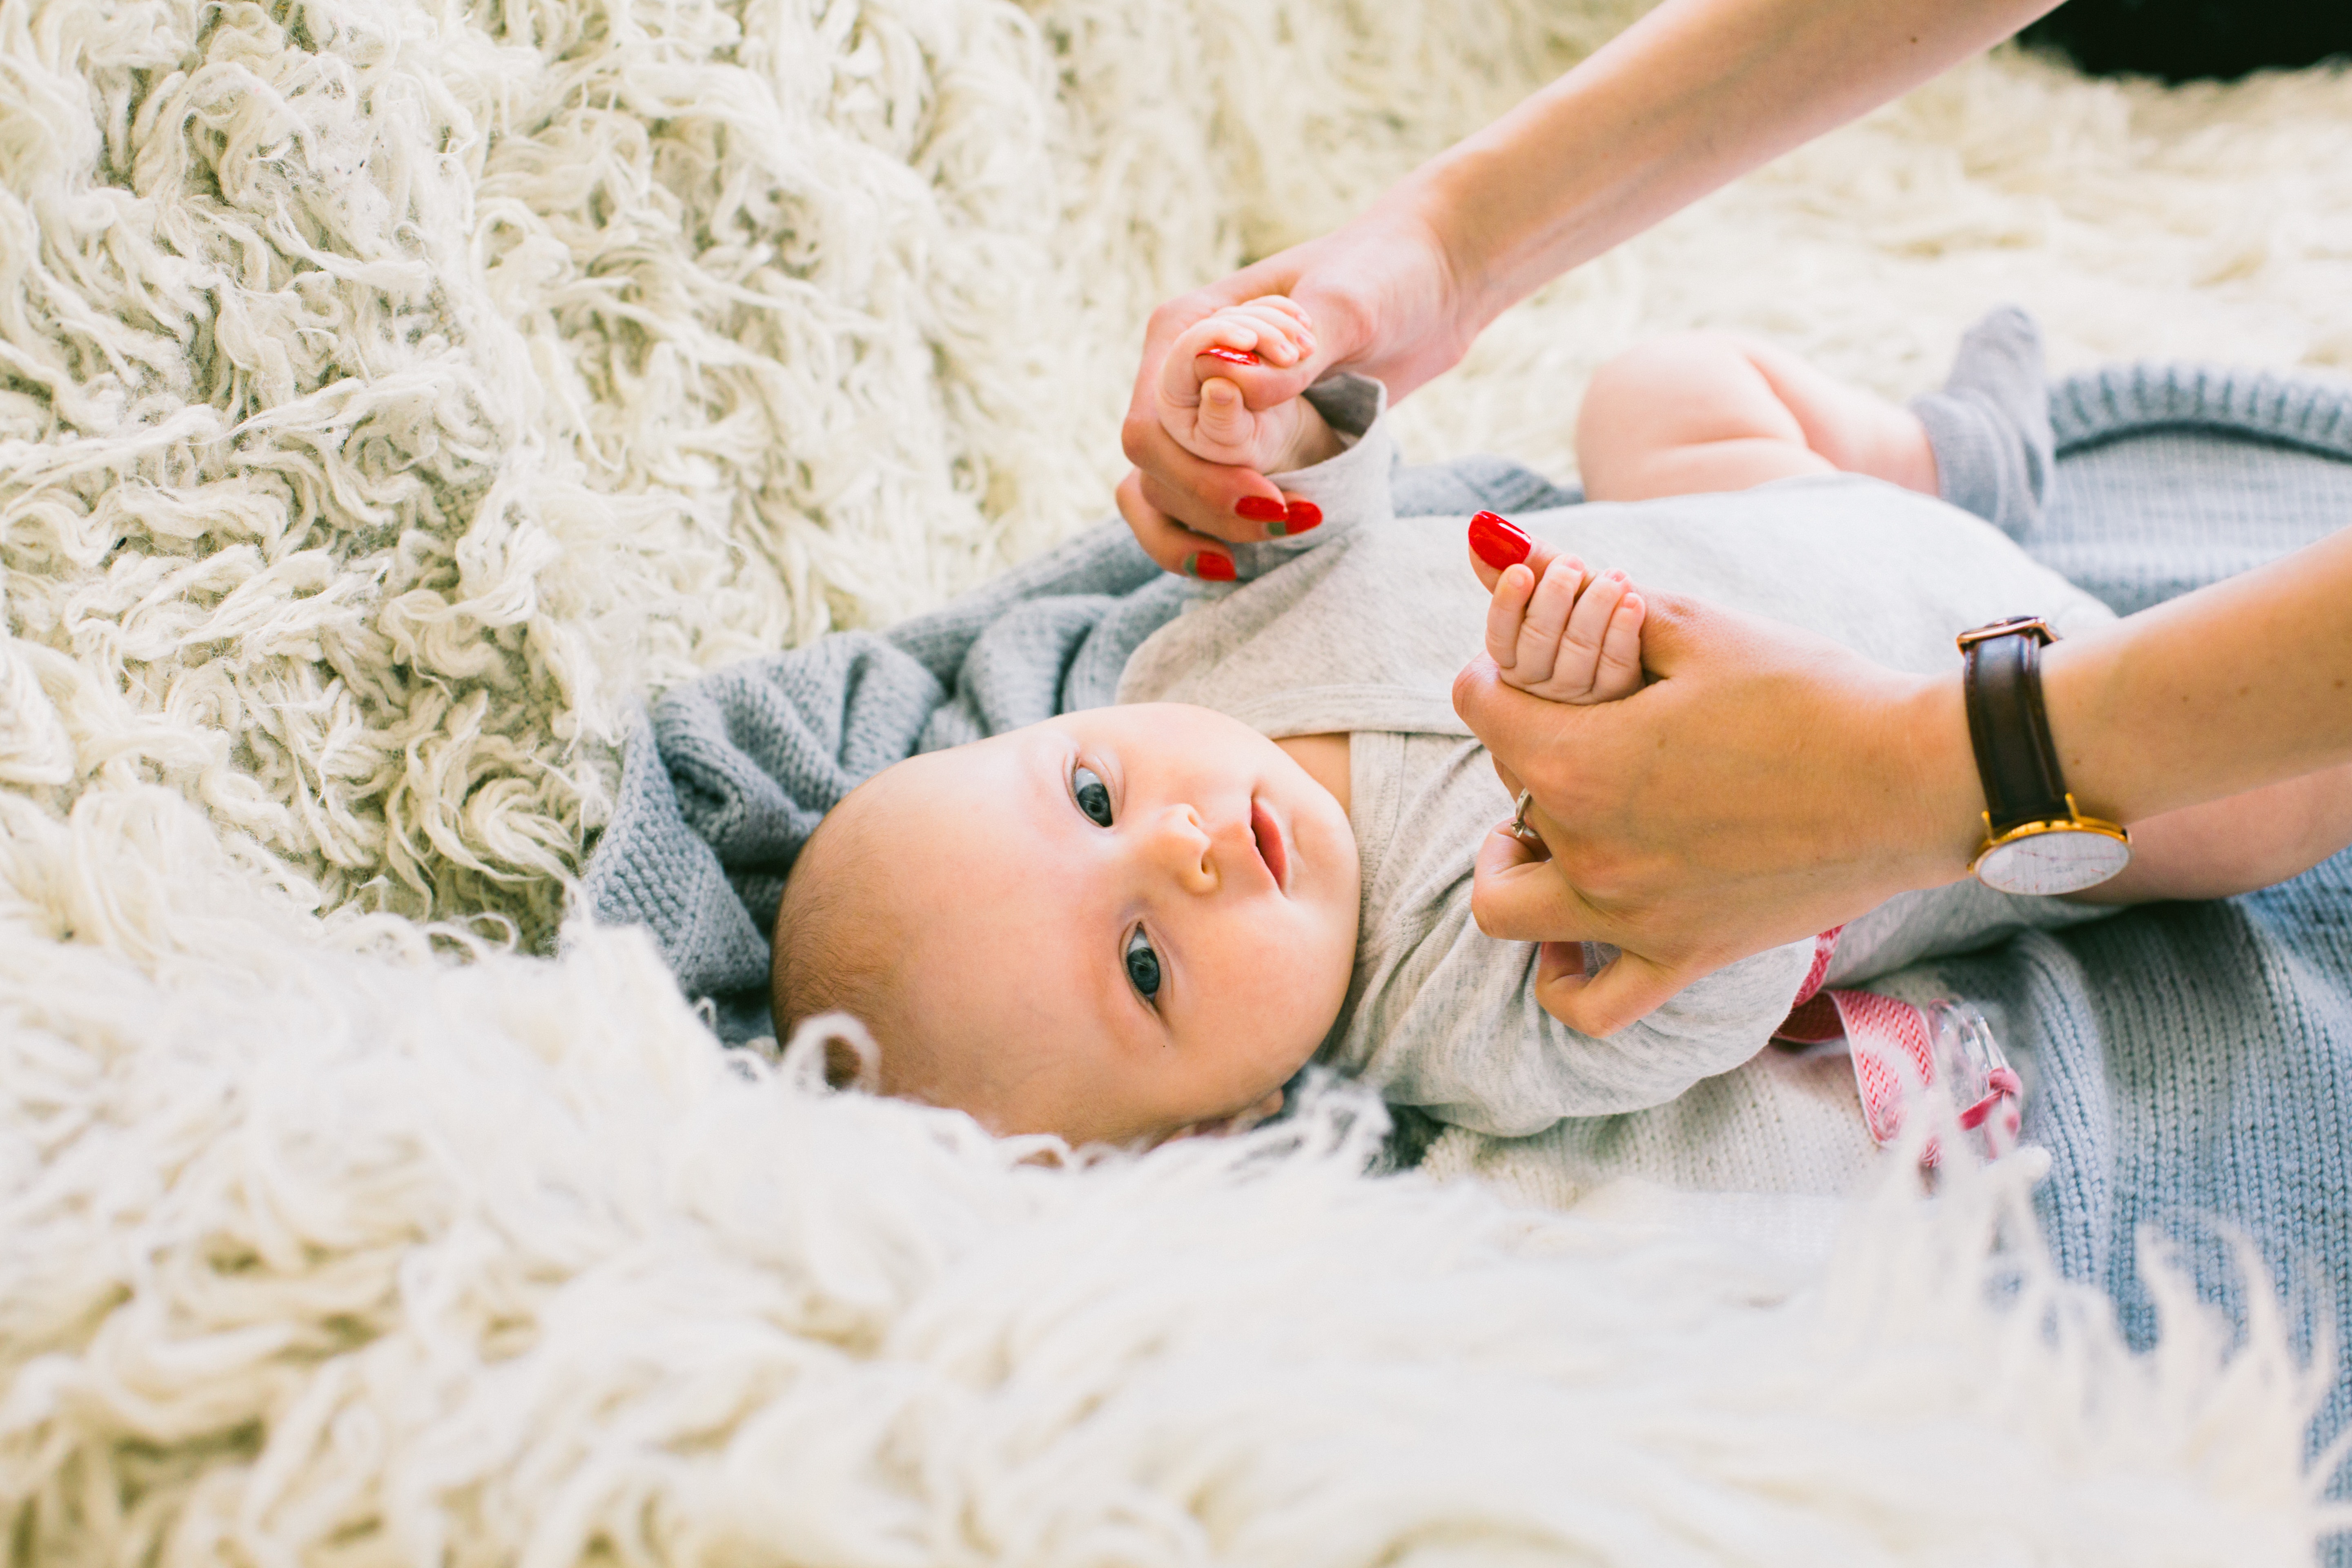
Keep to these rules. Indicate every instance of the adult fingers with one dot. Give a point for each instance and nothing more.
(1628, 988)
(1242, 500)
(1515, 727)
(1518, 895)
(1511, 784)
(1539, 558)
(1169, 544)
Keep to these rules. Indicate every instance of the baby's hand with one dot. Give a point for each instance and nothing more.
(1554, 628)
(1200, 382)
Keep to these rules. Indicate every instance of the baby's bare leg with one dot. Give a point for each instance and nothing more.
(1701, 412)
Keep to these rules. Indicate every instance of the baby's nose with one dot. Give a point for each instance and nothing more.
(1182, 846)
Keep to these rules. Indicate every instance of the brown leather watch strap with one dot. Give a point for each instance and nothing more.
(2016, 761)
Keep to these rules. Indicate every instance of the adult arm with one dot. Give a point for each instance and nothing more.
(1685, 99)
(1771, 784)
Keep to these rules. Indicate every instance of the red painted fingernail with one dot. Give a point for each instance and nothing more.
(1302, 515)
(1260, 509)
(1210, 568)
(1231, 356)
(1499, 541)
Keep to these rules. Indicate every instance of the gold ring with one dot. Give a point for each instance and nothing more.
(1520, 829)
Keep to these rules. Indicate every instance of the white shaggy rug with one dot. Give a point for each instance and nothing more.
(391, 394)
(331, 1253)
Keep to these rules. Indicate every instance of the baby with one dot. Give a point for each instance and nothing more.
(1131, 923)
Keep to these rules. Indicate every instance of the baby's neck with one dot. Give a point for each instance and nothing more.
(1325, 758)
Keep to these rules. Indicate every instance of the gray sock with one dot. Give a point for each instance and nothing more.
(1991, 425)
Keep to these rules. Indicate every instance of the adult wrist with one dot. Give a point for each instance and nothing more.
(2077, 695)
(1447, 198)
(1934, 816)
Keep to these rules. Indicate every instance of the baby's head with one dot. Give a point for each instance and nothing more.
(1114, 925)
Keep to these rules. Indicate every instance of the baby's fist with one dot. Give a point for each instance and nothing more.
(1557, 630)
(1201, 402)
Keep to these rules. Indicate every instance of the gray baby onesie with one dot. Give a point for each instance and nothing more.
(1360, 626)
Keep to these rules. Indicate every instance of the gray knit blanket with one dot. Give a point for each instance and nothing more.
(2194, 1060)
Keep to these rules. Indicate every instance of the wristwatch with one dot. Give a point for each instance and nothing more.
(2036, 839)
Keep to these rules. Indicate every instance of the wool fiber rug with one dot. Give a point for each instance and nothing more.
(392, 395)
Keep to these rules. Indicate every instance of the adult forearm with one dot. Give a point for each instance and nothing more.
(1689, 98)
(2238, 685)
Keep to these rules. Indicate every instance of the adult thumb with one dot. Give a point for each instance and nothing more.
(1493, 710)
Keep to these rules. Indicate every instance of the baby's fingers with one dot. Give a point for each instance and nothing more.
(1577, 668)
(1283, 338)
(1224, 420)
(1541, 648)
(1619, 674)
(1504, 611)
(1286, 306)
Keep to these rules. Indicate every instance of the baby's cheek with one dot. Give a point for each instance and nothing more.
(1294, 973)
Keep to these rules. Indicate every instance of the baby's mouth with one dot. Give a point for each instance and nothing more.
(1268, 836)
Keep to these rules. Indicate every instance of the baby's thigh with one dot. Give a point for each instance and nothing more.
(1688, 414)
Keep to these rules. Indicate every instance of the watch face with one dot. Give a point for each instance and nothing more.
(2059, 860)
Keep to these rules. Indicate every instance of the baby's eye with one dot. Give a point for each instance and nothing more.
(1142, 965)
(1092, 795)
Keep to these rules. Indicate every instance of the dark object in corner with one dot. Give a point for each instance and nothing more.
(2185, 40)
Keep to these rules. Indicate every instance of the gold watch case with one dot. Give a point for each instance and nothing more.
(2050, 857)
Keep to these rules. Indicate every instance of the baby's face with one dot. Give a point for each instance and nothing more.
(1125, 921)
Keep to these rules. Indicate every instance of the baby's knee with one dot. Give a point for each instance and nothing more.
(1670, 375)
(1679, 359)
(1683, 388)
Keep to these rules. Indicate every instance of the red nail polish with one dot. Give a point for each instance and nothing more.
(1499, 541)
(1211, 568)
(1231, 356)
(1259, 509)
(1302, 515)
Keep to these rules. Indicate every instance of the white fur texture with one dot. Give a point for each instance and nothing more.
(390, 393)
(342, 1253)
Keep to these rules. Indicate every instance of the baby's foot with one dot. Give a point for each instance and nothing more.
(1558, 630)
(1201, 402)
(1989, 427)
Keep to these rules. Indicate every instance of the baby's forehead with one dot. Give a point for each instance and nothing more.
(983, 806)
(993, 770)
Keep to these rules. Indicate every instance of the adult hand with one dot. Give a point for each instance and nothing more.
(1768, 785)
(1693, 94)
(1381, 296)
